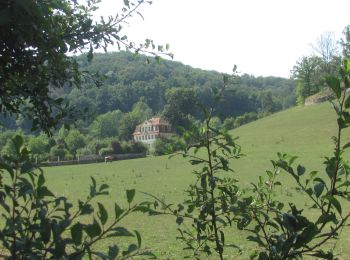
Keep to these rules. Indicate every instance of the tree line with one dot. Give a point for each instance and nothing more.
(310, 71)
(134, 90)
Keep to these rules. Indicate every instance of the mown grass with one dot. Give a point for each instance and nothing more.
(302, 131)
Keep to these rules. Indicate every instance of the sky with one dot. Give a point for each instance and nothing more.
(261, 37)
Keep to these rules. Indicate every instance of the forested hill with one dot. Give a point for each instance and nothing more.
(168, 88)
(131, 78)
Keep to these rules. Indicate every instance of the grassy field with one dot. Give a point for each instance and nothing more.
(302, 131)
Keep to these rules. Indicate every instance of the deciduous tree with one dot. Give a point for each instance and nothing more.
(37, 40)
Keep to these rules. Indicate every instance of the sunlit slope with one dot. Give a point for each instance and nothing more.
(302, 131)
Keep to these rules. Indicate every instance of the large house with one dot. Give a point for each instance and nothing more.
(152, 129)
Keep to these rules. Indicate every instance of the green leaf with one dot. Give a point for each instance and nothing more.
(122, 232)
(103, 215)
(103, 187)
(300, 170)
(113, 251)
(334, 84)
(139, 240)
(93, 230)
(332, 200)
(118, 210)
(179, 220)
(347, 145)
(126, 3)
(77, 233)
(43, 191)
(130, 194)
(85, 209)
(222, 237)
(26, 167)
(292, 159)
(194, 162)
(41, 180)
(131, 249)
(318, 188)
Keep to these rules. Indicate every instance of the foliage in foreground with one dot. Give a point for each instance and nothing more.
(38, 38)
(40, 225)
(288, 233)
(216, 201)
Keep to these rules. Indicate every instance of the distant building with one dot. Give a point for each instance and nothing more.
(152, 129)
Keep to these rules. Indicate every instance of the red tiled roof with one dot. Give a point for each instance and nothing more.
(153, 121)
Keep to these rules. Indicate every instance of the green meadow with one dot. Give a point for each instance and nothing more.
(302, 131)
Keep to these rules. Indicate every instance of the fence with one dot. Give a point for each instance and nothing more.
(93, 159)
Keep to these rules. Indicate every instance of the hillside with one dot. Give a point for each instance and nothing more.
(303, 131)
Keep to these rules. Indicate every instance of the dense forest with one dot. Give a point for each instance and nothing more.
(129, 79)
(136, 87)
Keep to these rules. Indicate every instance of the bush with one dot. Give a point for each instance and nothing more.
(126, 147)
(229, 123)
(116, 147)
(139, 147)
(245, 119)
(167, 146)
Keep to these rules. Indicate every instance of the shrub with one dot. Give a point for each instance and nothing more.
(116, 147)
(229, 123)
(167, 146)
(139, 147)
(126, 147)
